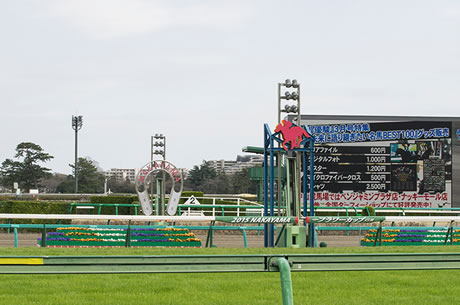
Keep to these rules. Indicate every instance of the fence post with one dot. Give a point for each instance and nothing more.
(213, 208)
(286, 282)
(210, 235)
(15, 228)
(244, 237)
(238, 209)
(378, 235)
(128, 235)
(43, 243)
(450, 231)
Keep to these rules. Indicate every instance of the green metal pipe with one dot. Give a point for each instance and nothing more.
(286, 282)
(245, 239)
(43, 242)
(15, 237)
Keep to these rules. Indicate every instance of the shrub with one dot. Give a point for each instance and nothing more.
(34, 207)
(190, 193)
(368, 211)
(113, 199)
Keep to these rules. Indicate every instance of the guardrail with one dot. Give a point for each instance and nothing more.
(240, 205)
(358, 211)
(283, 263)
(238, 209)
(227, 263)
(101, 205)
(232, 210)
(209, 237)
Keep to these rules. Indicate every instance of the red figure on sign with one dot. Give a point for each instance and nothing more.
(291, 133)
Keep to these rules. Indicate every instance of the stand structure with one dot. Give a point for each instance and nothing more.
(295, 159)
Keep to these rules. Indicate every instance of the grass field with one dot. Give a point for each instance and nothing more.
(360, 287)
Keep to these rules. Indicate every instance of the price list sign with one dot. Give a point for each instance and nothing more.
(384, 160)
(352, 168)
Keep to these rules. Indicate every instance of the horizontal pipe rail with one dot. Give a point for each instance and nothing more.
(228, 219)
(239, 219)
(54, 226)
(226, 263)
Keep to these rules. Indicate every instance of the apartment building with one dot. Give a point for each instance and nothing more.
(232, 167)
(122, 173)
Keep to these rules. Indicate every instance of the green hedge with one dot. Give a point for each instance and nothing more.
(45, 197)
(190, 193)
(113, 199)
(108, 210)
(34, 207)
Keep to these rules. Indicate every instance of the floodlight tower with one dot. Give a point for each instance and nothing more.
(287, 96)
(77, 123)
(292, 95)
(158, 148)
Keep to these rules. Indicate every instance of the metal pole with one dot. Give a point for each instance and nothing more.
(298, 159)
(15, 237)
(152, 182)
(272, 190)
(77, 123)
(312, 191)
(76, 159)
(163, 184)
(286, 281)
(266, 151)
(278, 159)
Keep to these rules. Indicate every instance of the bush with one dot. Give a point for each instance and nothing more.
(113, 199)
(34, 207)
(368, 211)
(190, 193)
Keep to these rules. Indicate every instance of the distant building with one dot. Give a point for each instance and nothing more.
(130, 173)
(122, 173)
(232, 167)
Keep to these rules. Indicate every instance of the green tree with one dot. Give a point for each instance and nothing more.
(241, 184)
(26, 170)
(123, 186)
(90, 180)
(220, 184)
(199, 175)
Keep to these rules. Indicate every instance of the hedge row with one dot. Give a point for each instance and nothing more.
(113, 199)
(45, 197)
(34, 207)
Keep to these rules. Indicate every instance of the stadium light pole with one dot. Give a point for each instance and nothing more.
(294, 95)
(158, 147)
(77, 123)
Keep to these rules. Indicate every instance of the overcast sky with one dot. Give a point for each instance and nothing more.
(205, 73)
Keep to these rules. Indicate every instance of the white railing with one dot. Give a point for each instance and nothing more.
(215, 202)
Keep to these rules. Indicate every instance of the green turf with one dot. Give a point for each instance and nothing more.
(364, 287)
(32, 251)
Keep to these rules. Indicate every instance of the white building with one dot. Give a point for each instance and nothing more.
(130, 173)
(122, 173)
(232, 167)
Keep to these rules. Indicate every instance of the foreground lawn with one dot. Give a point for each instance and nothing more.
(365, 287)
(36, 251)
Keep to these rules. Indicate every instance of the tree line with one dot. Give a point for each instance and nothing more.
(26, 168)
